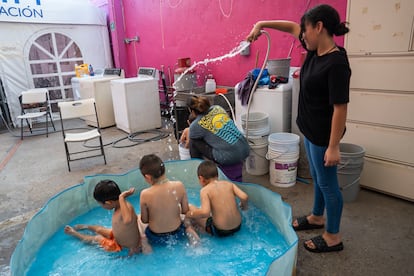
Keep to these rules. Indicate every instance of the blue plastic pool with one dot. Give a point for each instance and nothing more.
(272, 252)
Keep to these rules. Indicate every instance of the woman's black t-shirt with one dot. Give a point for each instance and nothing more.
(324, 81)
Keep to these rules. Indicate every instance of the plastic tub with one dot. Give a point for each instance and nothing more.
(77, 200)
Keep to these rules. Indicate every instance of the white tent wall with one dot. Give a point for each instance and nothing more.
(80, 22)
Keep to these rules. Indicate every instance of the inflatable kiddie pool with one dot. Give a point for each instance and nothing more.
(78, 200)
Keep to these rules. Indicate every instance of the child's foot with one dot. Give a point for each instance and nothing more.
(69, 230)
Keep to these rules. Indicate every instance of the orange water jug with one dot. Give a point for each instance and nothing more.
(82, 70)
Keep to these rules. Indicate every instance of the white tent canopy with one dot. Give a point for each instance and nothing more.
(42, 40)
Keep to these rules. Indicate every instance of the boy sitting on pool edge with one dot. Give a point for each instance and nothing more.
(218, 214)
(124, 232)
(162, 205)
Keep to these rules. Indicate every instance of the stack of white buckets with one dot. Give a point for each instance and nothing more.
(258, 132)
(276, 154)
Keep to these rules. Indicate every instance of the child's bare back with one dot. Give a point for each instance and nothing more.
(162, 204)
(125, 225)
(124, 232)
(218, 213)
(223, 205)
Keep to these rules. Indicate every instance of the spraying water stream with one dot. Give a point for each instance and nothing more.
(234, 52)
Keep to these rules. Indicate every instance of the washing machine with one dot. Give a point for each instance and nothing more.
(136, 101)
(75, 82)
(100, 89)
(277, 103)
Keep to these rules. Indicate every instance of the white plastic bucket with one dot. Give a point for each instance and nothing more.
(258, 124)
(284, 142)
(184, 152)
(283, 171)
(258, 140)
(256, 162)
(283, 153)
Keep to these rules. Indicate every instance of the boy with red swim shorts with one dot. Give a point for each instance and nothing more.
(124, 232)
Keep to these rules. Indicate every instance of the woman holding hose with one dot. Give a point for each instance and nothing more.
(322, 111)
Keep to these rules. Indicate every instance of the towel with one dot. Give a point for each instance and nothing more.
(244, 88)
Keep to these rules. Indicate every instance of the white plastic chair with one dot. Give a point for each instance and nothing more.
(77, 109)
(35, 104)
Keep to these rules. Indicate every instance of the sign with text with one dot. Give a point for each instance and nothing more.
(50, 11)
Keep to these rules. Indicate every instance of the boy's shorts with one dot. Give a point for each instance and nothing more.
(110, 244)
(164, 238)
(214, 231)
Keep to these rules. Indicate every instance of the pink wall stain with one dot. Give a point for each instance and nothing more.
(172, 29)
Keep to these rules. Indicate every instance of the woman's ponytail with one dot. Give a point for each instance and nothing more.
(341, 29)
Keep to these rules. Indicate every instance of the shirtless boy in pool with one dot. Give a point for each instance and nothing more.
(163, 205)
(124, 232)
(218, 214)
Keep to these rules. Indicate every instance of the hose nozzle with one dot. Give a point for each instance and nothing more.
(245, 48)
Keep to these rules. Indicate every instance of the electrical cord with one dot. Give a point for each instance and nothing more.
(157, 135)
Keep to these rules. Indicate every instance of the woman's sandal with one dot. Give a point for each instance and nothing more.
(322, 247)
(303, 224)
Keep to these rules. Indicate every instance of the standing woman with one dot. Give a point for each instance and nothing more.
(214, 136)
(322, 110)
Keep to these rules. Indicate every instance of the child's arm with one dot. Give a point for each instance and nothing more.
(184, 135)
(144, 209)
(205, 209)
(184, 202)
(126, 209)
(242, 195)
(185, 138)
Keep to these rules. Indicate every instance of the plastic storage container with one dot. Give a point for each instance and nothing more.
(210, 86)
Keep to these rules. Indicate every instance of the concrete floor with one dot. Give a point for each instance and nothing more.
(378, 230)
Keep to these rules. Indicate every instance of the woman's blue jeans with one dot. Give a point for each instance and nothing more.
(326, 188)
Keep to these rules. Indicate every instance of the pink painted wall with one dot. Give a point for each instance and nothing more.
(200, 29)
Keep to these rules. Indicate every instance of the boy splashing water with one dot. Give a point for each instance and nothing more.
(124, 232)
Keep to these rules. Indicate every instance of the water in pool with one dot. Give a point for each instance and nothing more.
(249, 252)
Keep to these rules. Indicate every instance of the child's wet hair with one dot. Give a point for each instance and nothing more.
(207, 169)
(106, 190)
(152, 165)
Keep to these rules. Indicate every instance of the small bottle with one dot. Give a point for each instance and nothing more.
(210, 84)
(91, 72)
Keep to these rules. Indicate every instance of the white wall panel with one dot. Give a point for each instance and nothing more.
(380, 25)
(383, 143)
(388, 177)
(395, 73)
(391, 108)
(381, 108)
